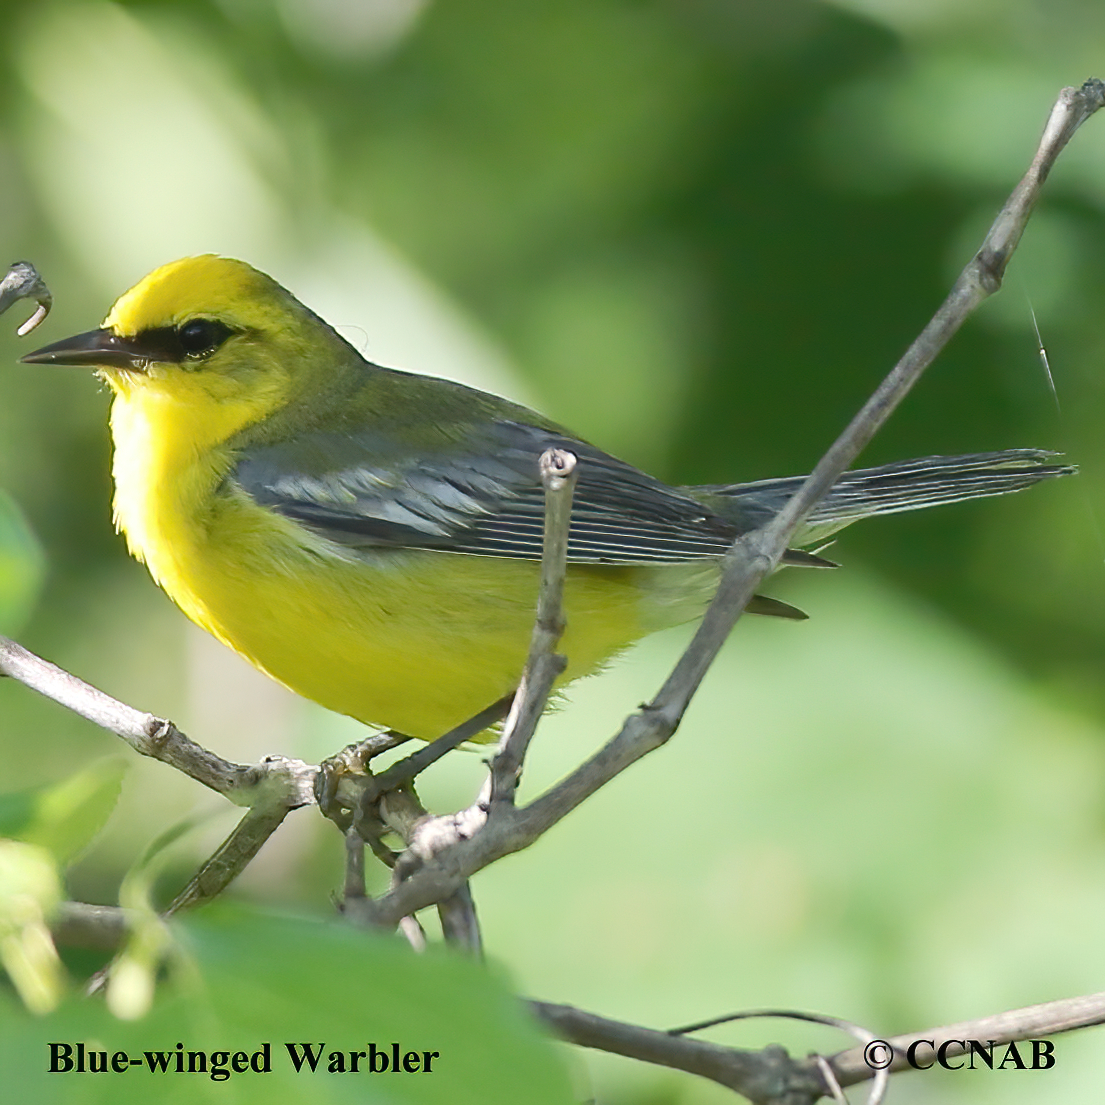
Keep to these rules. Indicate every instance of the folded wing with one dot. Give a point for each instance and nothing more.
(479, 495)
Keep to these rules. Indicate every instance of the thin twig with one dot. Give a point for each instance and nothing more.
(410, 767)
(770, 1075)
(354, 865)
(269, 790)
(414, 932)
(231, 857)
(836, 1091)
(543, 664)
(820, 1064)
(752, 559)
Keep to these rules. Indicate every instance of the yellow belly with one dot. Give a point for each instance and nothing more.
(414, 641)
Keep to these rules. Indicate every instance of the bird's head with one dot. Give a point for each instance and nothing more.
(207, 332)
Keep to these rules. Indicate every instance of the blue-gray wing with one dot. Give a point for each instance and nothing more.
(480, 495)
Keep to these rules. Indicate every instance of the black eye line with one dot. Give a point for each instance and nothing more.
(166, 344)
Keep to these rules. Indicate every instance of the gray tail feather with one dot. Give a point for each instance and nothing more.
(891, 488)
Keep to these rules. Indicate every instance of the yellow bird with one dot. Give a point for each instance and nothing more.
(371, 538)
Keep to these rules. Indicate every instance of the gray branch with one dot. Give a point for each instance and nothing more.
(232, 856)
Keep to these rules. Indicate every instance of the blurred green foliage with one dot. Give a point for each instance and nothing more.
(22, 567)
(698, 232)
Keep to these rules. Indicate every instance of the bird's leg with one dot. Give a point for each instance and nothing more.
(336, 797)
(413, 765)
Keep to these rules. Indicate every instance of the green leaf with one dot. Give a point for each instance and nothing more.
(265, 982)
(22, 567)
(64, 817)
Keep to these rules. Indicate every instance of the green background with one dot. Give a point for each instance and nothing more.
(698, 232)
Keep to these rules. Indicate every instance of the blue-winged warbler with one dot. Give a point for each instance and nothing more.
(371, 538)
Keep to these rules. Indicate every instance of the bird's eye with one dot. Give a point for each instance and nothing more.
(202, 336)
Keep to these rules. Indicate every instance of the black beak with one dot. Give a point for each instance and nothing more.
(95, 349)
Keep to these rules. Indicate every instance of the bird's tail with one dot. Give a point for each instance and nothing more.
(888, 489)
